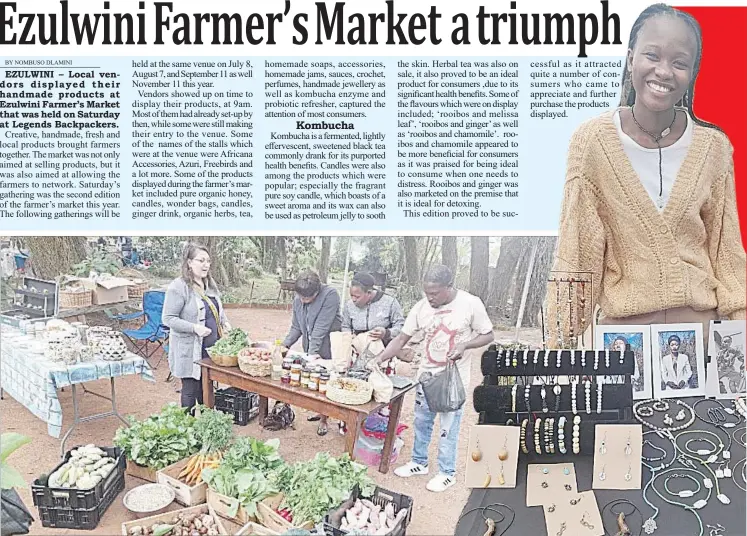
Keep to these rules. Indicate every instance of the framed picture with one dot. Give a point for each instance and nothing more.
(615, 338)
(726, 346)
(679, 360)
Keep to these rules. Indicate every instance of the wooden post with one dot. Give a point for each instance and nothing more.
(525, 291)
(345, 275)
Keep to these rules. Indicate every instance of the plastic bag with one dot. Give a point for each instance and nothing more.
(16, 517)
(363, 358)
(341, 345)
(382, 386)
(444, 392)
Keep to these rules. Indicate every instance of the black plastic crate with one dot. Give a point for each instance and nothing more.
(381, 497)
(81, 518)
(244, 406)
(79, 499)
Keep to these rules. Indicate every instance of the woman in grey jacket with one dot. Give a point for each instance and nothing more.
(194, 314)
(371, 310)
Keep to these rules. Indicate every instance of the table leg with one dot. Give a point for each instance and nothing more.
(76, 420)
(391, 433)
(353, 422)
(208, 394)
(263, 409)
(114, 405)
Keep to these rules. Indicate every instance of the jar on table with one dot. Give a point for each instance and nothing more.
(286, 377)
(287, 363)
(295, 375)
(305, 375)
(323, 380)
(314, 381)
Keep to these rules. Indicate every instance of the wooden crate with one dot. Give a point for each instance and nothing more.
(223, 505)
(274, 521)
(186, 495)
(168, 516)
(251, 529)
(141, 472)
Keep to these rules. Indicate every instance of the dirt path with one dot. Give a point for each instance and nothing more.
(435, 514)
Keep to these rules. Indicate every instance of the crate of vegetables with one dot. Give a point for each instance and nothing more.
(185, 494)
(157, 442)
(200, 520)
(273, 516)
(385, 513)
(243, 405)
(82, 480)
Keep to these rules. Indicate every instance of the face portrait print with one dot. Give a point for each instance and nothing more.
(616, 338)
(679, 369)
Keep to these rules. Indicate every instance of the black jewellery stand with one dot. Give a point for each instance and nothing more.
(495, 403)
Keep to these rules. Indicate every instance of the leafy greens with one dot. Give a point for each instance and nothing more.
(160, 440)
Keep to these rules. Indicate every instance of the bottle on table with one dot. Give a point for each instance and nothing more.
(277, 360)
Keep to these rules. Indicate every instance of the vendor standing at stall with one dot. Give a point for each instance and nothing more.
(649, 206)
(193, 312)
(316, 314)
(371, 311)
(455, 325)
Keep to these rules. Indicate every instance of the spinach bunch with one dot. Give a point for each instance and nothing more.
(161, 439)
(312, 488)
(232, 343)
(214, 429)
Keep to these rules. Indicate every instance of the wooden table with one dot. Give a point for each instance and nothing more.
(353, 416)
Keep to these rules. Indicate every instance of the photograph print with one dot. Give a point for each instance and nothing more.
(616, 338)
(726, 347)
(679, 360)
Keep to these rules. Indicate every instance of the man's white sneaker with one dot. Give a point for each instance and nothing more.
(440, 482)
(411, 469)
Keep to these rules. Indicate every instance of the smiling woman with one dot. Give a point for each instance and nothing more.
(649, 204)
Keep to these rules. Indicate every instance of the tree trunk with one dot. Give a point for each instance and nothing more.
(499, 302)
(324, 258)
(282, 256)
(269, 257)
(412, 264)
(52, 256)
(479, 270)
(449, 255)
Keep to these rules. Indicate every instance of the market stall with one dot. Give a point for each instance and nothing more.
(42, 358)
(266, 387)
(593, 457)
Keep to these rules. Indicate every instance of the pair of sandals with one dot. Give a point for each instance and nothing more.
(322, 429)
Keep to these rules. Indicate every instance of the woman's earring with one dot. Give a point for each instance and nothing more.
(628, 476)
(628, 448)
(603, 475)
(477, 453)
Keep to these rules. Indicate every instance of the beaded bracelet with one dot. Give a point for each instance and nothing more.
(537, 437)
(514, 389)
(524, 357)
(583, 359)
(543, 394)
(551, 436)
(587, 388)
(576, 434)
(561, 435)
(508, 359)
(640, 411)
(527, 392)
(523, 436)
(599, 398)
(574, 388)
(557, 390)
(607, 359)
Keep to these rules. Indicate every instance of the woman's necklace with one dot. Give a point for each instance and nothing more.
(657, 139)
(678, 473)
(717, 417)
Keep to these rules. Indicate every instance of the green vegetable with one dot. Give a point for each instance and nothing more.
(253, 453)
(162, 530)
(9, 477)
(312, 488)
(296, 532)
(253, 487)
(161, 439)
(241, 474)
(231, 343)
(214, 430)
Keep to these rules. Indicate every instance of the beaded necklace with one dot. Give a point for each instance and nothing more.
(717, 418)
(649, 412)
(741, 473)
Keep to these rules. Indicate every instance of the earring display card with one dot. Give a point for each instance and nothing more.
(487, 445)
(617, 456)
(547, 482)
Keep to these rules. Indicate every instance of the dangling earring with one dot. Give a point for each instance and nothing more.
(603, 475)
(501, 477)
(477, 453)
(503, 454)
(628, 476)
(628, 449)
(486, 483)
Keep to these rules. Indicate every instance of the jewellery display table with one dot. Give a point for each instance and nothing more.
(352, 416)
(671, 521)
(33, 380)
